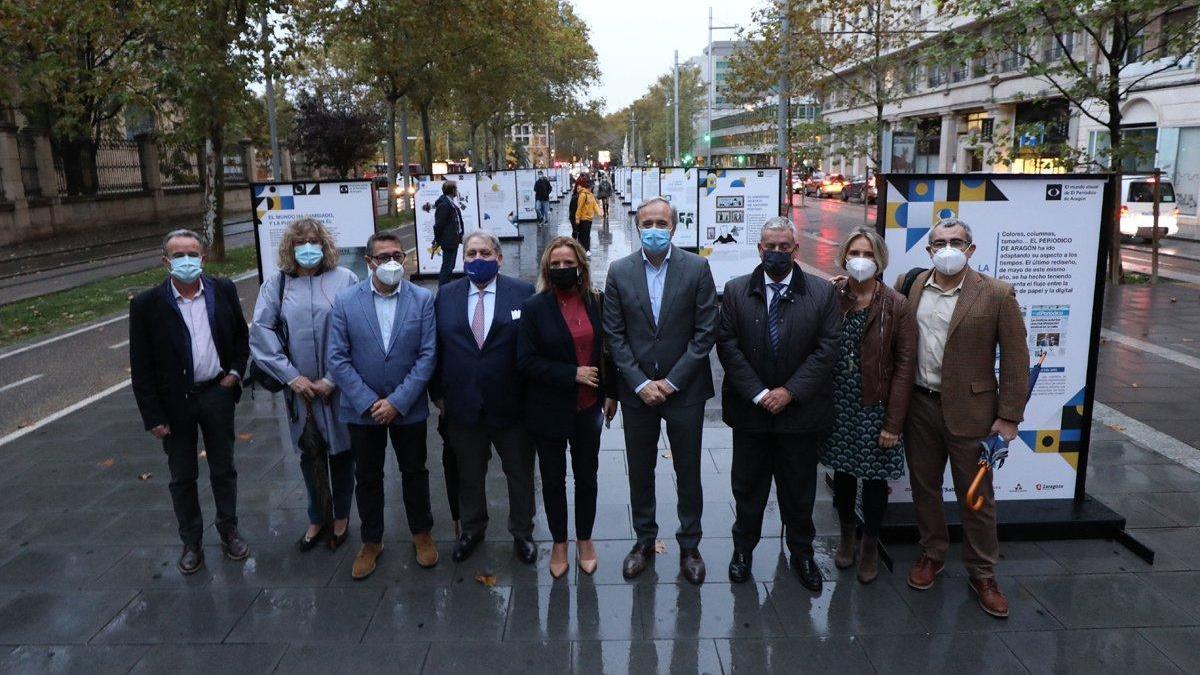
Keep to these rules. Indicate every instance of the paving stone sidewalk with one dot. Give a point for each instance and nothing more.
(88, 580)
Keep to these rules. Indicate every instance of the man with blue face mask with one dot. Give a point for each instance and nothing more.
(188, 346)
(660, 316)
(478, 389)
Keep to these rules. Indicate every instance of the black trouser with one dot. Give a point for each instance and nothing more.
(473, 448)
(685, 428)
(582, 232)
(449, 257)
(792, 460)
(449, 467)
(208, 411)
(369, 445)
(874, 500)
(585, 462)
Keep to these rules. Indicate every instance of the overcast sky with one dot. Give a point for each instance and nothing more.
(636, 39)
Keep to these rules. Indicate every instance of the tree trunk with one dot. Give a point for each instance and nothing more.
(214, 200)
(391, 157)
(1113, 101)
(426, 135)
(404, 154)
(472, 156)
(79, 166)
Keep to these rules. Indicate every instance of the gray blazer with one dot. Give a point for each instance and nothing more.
(677, 347)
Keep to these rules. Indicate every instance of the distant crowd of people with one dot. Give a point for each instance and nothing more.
(855, 375)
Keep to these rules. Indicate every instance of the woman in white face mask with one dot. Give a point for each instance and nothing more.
(872, 383)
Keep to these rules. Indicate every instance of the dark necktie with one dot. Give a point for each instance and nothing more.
(773, 326)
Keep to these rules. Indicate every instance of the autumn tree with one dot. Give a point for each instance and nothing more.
(337, 128)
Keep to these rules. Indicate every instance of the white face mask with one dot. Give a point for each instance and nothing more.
(861, 269)
(949, 260)
(390, 273)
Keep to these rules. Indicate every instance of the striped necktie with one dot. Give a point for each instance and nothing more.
(773, 323)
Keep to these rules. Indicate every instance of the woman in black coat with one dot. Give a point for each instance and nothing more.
(570, 386)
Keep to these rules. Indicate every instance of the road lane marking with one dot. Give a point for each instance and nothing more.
(1151, 348)
(14, 385)
(120, 344)
(1147, 436)
(63, 413)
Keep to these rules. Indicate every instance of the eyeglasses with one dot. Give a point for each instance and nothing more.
(939, 244)
(388, 257)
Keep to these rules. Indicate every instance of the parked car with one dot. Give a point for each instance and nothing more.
(797, 183)
(858, 188)
(1137, 207)
(830, 184)
(812, 184)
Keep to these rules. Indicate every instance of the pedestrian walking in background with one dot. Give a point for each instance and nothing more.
(447, 229)
(778, 342)
(585, 210)
(478, 388)
(958, 401)
(381, 355)
(873, 382)
(541, 196)
(570, 386)
(188, 346)
(288, 340)
(604, 191)
(660, 315)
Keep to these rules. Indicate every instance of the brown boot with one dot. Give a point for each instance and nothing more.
(844, 557)
(868, 560)
(364, 563)
(990, 598)
(427, 555)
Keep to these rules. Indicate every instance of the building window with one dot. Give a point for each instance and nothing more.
(1055, 46)
(937, 76)
(1010, 61)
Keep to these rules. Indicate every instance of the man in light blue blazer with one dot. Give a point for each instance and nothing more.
(382, 353)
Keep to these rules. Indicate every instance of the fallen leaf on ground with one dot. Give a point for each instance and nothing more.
(108, 463)
(488, 580)
(1116, 427)
(1174, 299)
(22, 425)
(145, 476)
(1135, 385)
(245, 437)
(660, 546)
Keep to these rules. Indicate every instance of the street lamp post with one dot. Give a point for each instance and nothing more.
(712, 86)
(675, 156)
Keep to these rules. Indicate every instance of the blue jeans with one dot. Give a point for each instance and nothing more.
(543, 209)
(341, 481)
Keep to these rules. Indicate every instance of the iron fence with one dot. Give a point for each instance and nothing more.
(27, 152)
(3, 197)
(119, 167)
(233, 168)
(179, 168)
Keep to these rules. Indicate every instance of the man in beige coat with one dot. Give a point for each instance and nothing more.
(962, 317)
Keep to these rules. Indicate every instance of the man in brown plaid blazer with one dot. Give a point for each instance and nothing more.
(962, 316)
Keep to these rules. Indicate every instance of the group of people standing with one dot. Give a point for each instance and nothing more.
(852, 374)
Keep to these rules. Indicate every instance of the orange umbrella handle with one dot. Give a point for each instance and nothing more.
(976, 502)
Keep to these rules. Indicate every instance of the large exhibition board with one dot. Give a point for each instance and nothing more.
(650, 184)
(635, 187)
(429, 188)
(627, 185)
(679, 185)
(345, 207)
(526, 208)
(1044, 235)
(498, 202)
(733, 205)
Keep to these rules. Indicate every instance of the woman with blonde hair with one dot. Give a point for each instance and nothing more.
(287, 340)
(570, 386)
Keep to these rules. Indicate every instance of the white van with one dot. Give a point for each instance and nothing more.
(1137, 207)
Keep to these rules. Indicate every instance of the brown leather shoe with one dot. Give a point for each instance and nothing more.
(923, 571)
(191, 560)
(234, 546)
(364, 563)
(692, 565)
(844, 557)
(427, 555)
(990, 598)
(868, 560)
(637, 560)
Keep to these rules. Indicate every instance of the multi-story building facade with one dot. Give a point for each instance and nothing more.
(538, 140)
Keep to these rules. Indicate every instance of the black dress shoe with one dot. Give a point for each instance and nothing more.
(692, 565)
(305, 544)
(739, 567)
(234, 547)
(192, 559)
(637, 560)
(336, 540)
(809, 573)
(526, 550)
(464, 547)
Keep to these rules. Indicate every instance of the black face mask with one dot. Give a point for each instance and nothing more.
(564, 278)
(776, 263)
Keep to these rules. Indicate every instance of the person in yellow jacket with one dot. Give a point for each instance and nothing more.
(585, 210)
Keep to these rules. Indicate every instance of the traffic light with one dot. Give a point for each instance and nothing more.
(687, 160)
(741, 159)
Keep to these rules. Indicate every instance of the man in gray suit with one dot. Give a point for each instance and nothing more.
(660, 315)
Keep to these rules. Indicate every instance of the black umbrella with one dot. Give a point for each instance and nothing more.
(313, 444)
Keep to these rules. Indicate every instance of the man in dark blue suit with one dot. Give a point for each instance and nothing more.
(478, 388)
(188, 345)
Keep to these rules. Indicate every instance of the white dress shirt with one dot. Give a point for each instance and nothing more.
(489, 303)
(385, 311)
(206, 364)
(933, 328)
(656, 283)
(768, 297)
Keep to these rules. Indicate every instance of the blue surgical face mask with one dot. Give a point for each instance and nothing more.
(655, 240)
(186, 268)
(481, 271)
(309, 255)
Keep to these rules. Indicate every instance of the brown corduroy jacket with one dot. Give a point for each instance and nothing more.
(987, 315)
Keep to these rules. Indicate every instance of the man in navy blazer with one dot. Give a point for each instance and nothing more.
(478, 388)
(382, 353)
(188, 345)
